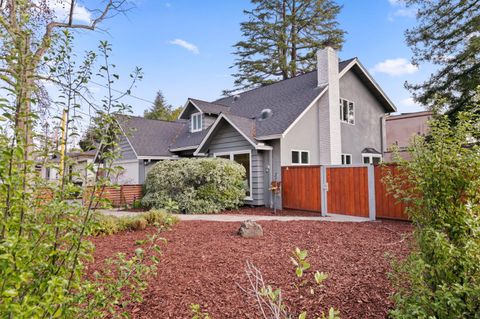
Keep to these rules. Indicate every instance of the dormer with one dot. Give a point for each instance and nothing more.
(200, 114)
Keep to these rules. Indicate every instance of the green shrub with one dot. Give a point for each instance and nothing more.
(206, 185)
(108, 225)
(441, 185)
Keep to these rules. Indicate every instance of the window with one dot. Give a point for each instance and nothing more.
(243, 158)
(196, 122)
(347, 111)
(300, 157)
(346, 159)
(372, 158)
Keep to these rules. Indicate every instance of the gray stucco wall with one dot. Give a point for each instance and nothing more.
(367, 131)
(304, 136)
(227, 139)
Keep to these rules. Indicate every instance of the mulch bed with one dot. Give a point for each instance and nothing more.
(204, 261)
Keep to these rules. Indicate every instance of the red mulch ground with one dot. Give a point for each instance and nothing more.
(264, 211)
(204, 261)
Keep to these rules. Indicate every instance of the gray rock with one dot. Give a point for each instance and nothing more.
(250, 229)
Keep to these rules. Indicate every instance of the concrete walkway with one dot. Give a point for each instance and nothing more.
(240, 218)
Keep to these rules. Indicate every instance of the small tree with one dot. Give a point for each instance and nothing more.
(441, 185)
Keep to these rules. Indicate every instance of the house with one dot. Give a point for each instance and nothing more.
(331, 116)
(402, 128)
(77, 168)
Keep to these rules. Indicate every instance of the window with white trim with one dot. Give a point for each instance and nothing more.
(347, 111)
(300, 157)
(346, 159)
(196, 122)
(371, 158)
(243, 158)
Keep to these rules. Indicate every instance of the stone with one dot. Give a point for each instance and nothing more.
(250, 229)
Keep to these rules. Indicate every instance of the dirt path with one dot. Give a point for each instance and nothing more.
(204, 261)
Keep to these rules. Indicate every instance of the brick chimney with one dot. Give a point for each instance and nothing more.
(329, 113)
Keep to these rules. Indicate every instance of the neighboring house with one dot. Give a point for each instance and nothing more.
(333, 115)
(402, 128)
(78, 168)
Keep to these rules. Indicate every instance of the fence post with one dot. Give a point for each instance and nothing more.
(323, 190)
(372, 211)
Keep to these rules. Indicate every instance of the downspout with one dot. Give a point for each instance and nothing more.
(270, 161)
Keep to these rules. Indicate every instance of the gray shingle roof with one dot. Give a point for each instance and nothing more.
(185, 138)
(209, 107)
(287, 99)
(150, 137)
(247, 126)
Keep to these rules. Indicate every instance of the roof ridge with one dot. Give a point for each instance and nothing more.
(143, 118)
(195, 99)
(281, 81)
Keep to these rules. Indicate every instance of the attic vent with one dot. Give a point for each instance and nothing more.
(265, 114)
(236, 97)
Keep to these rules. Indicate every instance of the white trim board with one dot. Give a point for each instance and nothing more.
(369, 77)
(214, 125)
(185, 107)
(315, 100)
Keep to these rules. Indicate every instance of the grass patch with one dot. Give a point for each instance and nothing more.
(109, 225)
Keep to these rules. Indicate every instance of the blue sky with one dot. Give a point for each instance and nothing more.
(185, 46)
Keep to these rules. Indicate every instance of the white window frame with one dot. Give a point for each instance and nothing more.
(344, 159)
(231, 154)
(300, 157)
(370, 157)
(193, 120)
(341, 111)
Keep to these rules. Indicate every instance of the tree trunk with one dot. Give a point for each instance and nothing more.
(293, 37)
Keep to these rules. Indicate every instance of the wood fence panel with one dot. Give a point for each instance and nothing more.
(386, 205)
(301, 188)
(348, 191)
(118, 196)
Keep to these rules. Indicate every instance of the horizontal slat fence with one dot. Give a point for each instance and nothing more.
(119, 196)
(348, 191)
(386, 205)
(301, 188)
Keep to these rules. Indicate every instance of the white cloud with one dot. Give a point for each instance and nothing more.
(62, 9)
(405, 12)
(394, 67)
(186, 45)
(409, 102)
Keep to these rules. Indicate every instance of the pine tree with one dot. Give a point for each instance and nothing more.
(161, 110)
(447, 35)
(281, 37)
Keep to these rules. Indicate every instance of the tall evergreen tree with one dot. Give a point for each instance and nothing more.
(281, 37)
(161, 110)
(447, 35)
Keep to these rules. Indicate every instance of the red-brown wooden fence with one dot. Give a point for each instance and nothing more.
(301, 188)
(121, 195)
(386, 205)
(348, 191)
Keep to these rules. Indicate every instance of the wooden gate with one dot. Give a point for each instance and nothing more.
(301, 188)
(348, 191)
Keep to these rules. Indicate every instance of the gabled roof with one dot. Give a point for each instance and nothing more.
(209, 107)
(246, 127)
(149, 138)
(287, 99)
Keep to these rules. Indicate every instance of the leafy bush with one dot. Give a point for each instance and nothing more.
(195, 185)
(441, 185)
(108, 225)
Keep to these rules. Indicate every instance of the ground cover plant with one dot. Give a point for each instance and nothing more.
(441, 185)
(208, 185)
